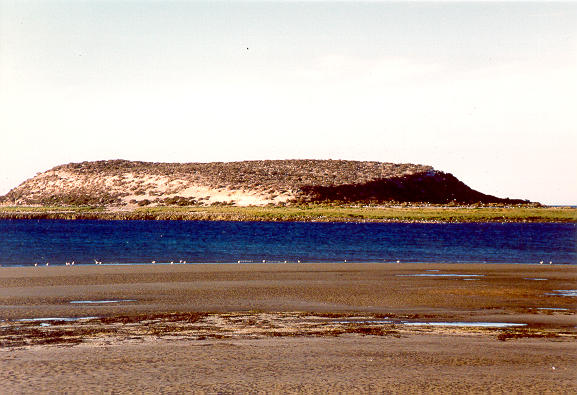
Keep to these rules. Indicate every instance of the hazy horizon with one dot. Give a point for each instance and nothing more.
(485, 91)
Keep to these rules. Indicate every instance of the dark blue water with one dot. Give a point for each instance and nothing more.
(25, 242)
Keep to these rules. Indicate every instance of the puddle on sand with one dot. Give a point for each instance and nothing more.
(432, 270)
(439, 275)
(67, 319)
(101, 301)
(552, 308)
(563, 292)
(536, 279)
(466, 324)
(366, 322)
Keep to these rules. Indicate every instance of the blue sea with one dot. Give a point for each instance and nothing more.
(26, 242)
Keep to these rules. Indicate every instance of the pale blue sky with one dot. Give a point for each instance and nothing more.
(486, 91)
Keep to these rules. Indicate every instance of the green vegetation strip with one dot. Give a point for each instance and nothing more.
(302, 213)
(49, 209)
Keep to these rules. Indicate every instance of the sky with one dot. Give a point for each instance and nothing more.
(486, 91)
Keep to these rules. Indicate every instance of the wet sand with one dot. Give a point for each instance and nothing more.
(289, 327)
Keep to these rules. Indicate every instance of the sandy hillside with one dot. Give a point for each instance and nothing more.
(126, 183)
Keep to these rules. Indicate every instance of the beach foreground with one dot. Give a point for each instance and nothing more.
(289, 327)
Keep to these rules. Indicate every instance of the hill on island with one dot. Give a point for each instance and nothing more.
(125, 183)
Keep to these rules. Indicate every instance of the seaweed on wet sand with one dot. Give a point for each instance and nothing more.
(248, 325)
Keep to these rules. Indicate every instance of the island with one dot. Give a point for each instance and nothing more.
(264, 190)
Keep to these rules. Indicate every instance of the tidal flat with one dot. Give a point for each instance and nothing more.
(289, 327)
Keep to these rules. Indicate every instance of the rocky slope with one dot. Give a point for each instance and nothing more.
(122, 183)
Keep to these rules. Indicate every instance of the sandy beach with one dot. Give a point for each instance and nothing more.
(339, 327)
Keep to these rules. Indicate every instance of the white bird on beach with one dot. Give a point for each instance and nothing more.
(47, 263)
(35, 265)
(540, 263)
(153, 261)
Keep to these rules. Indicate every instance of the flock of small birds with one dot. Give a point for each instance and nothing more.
(172, 262)
(96, 262)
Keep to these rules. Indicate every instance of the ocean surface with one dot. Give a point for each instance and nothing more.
(26, 242)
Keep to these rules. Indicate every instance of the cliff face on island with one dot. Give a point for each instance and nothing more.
(122, 183)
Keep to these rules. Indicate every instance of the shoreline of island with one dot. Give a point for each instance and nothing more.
(313, 213)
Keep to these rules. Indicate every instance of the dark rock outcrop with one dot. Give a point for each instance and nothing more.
(431, 187)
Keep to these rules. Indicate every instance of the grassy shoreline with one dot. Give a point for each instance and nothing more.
(313, 213)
